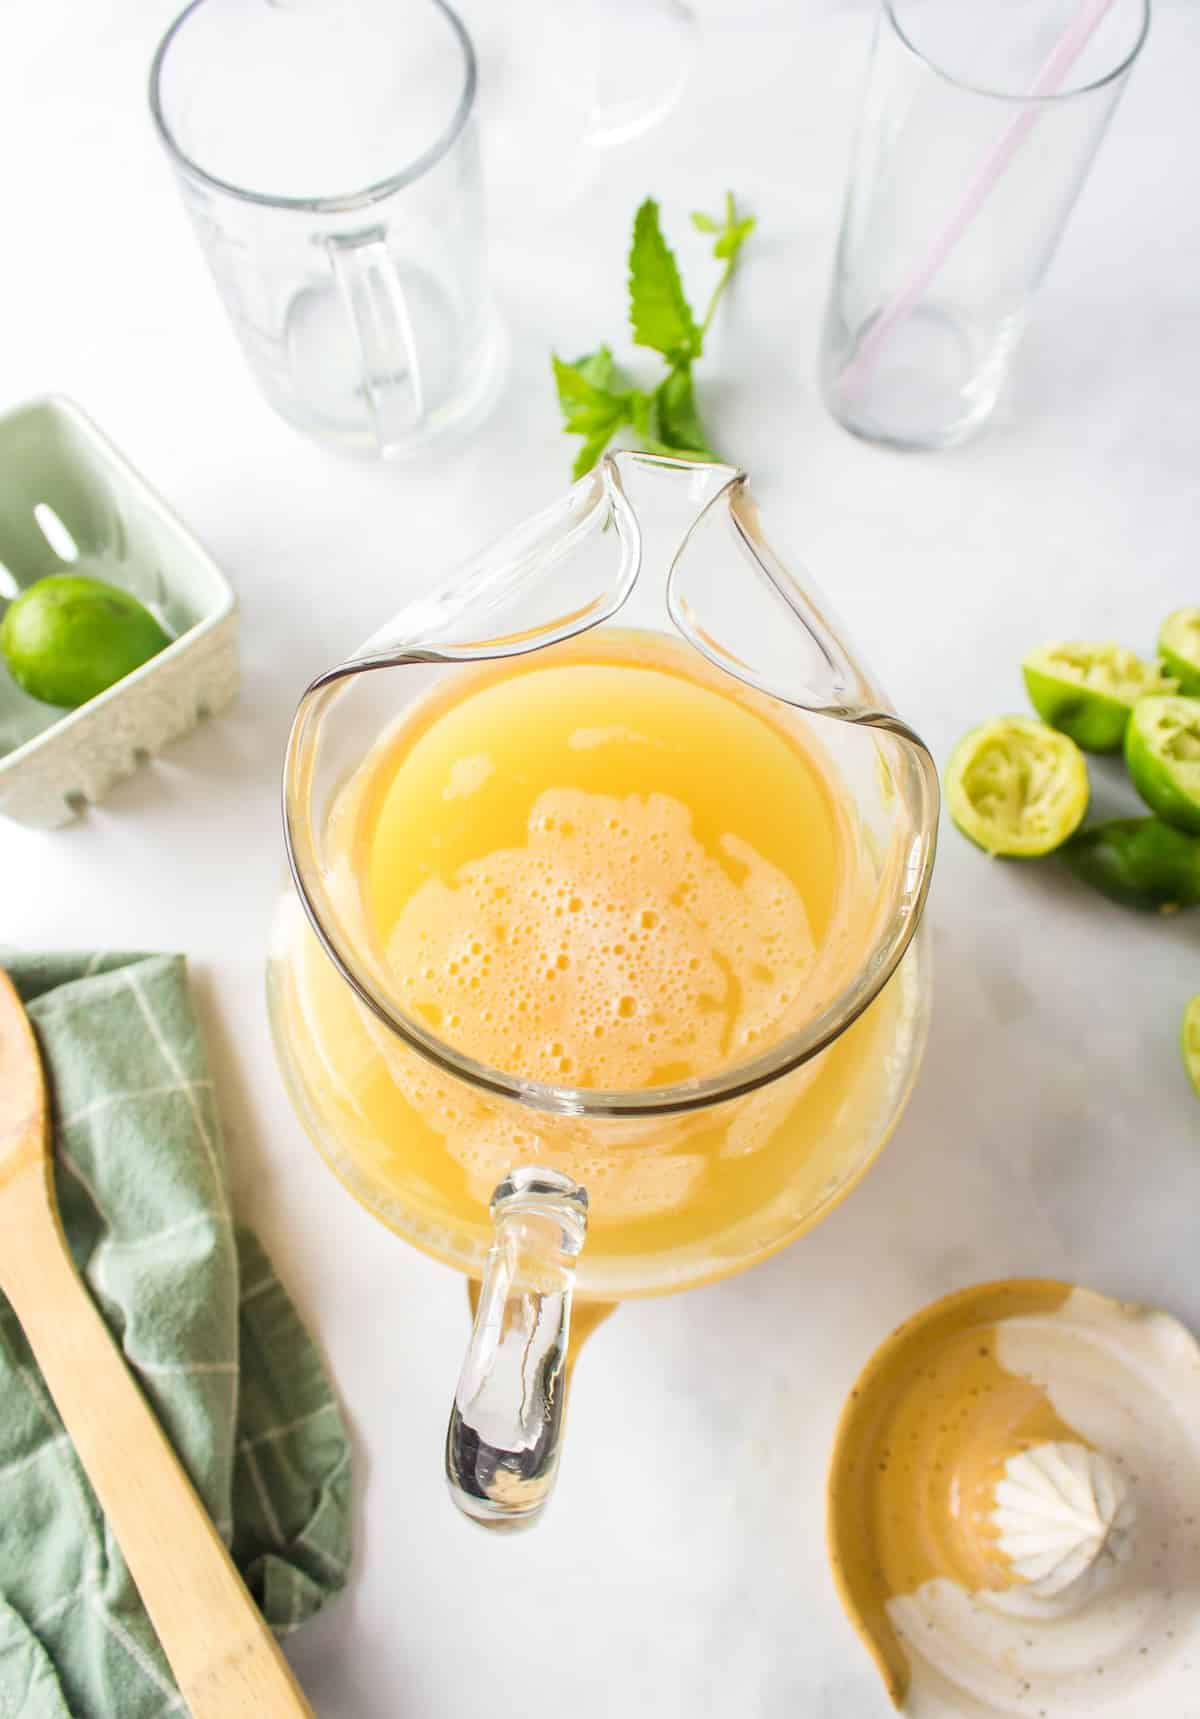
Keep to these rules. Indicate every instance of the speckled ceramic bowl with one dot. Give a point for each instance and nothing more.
(963, 1623)
(70, 502)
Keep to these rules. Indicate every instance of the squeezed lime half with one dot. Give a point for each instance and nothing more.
(1179, 648)
(1016, 787)
(1162, 750)
(1189, 1041)
(1088, 690)
(69, 637)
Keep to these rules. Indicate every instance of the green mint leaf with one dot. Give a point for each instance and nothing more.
(679, 425)
(643, 415)
(644, 418)
(733, 238)
(590, 407)
(731, 234)
(587, 406)
(597, 401)
(591, 450)
(598, 368)
(659, 313)
(652, 446)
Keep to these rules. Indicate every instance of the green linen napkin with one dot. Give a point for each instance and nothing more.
(206, 1328)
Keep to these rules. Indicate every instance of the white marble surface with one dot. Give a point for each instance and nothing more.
(681, 1573)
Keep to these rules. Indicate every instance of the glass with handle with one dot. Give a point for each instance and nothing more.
(725, 1105)
(327, 152)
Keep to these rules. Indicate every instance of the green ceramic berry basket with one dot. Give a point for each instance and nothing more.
(70, 502)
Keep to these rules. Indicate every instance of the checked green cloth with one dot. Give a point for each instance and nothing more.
(206, 1328)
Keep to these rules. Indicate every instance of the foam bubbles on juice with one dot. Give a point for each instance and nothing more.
(612, 949)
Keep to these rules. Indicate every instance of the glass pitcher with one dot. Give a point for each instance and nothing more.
(734, 1095)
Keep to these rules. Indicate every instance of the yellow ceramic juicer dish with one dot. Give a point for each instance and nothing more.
(1014, 1507)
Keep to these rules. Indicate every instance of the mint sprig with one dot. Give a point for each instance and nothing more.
(595, 399)
(659, 312)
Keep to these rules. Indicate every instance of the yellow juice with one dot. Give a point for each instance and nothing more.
(601, 867)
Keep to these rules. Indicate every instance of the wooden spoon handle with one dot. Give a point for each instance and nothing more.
(225, 1659)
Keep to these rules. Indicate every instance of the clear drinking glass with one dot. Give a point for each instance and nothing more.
(328, 155)
(979, 124)
(549, 1192)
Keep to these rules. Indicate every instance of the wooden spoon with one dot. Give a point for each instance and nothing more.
(225, 1659)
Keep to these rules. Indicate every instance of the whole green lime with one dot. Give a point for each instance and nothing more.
(69, 637)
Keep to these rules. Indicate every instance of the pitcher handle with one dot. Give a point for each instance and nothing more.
(505, 1431)
(369, 284)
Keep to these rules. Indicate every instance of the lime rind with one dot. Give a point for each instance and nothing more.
(1189, 1042)
(1179, 648)
(1087, 690)
(1016, 787)
(1162, 753)
(1139, 862)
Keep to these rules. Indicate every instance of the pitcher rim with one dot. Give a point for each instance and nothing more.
(697, 1092)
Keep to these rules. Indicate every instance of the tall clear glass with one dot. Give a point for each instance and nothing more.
(328, 155)
(979, 124)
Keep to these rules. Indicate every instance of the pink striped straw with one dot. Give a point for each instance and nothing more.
(1047, 82)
